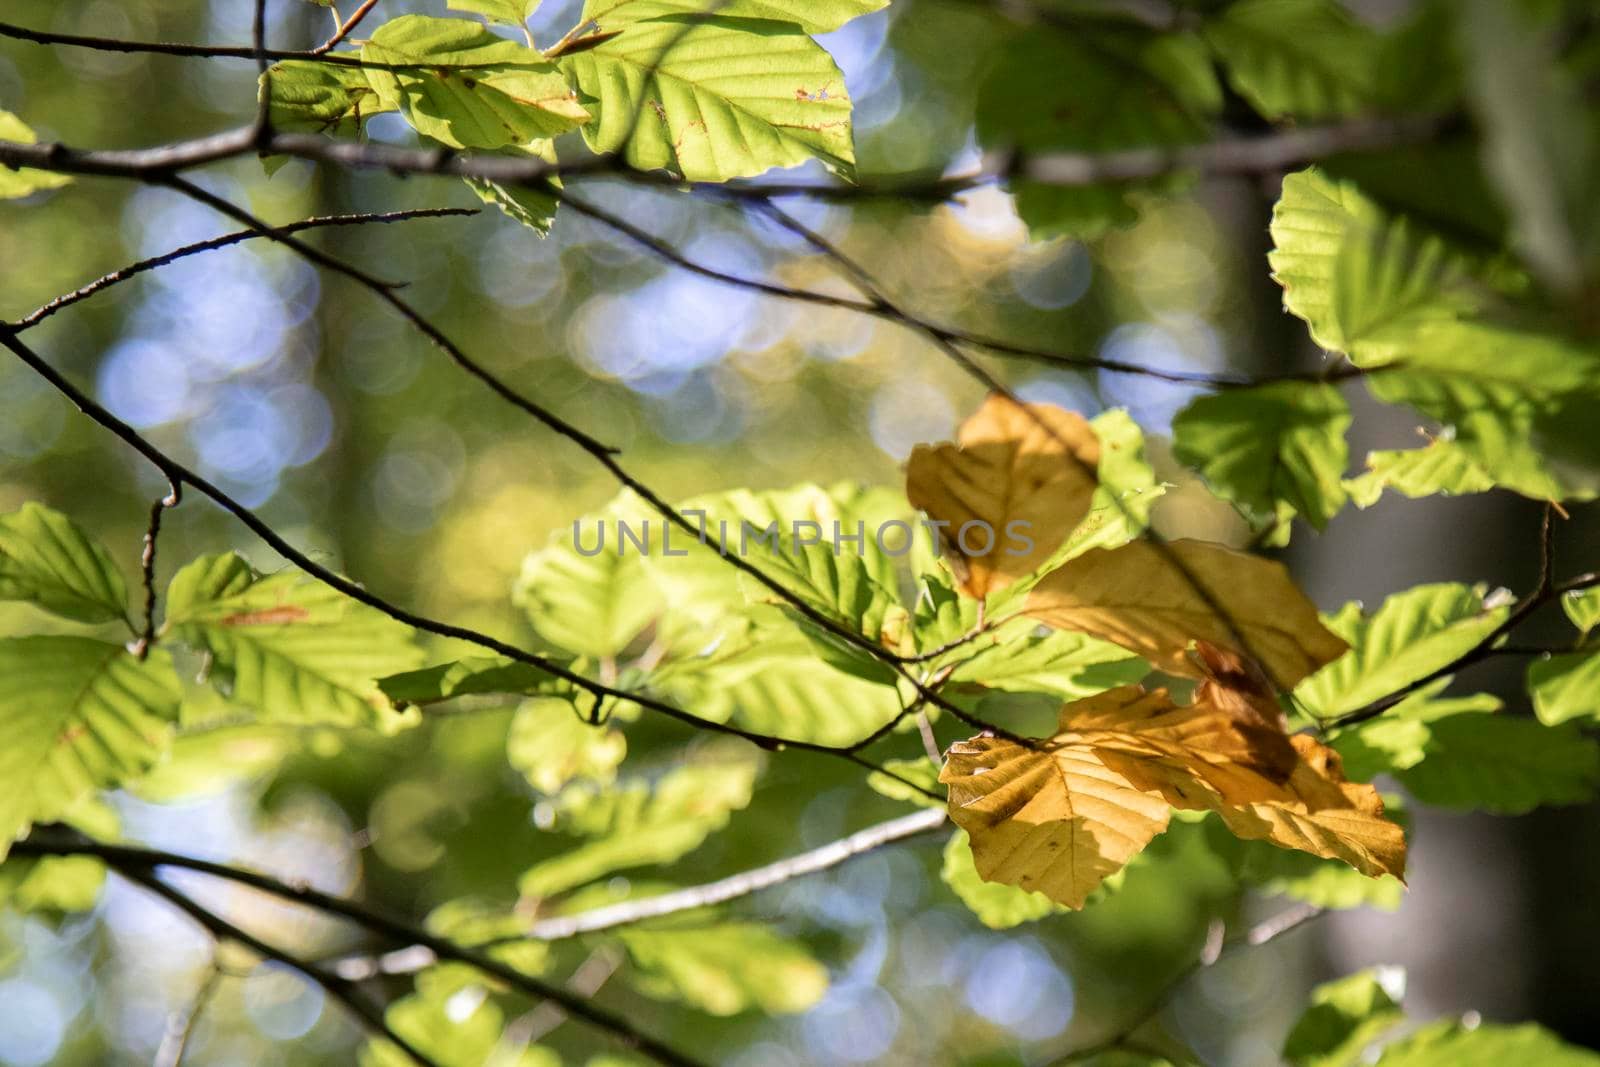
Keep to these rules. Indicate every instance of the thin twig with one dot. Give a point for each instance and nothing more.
(175, 471)
(133, 270)
(182, 1025)
(344, 29)
(138, 863)
(340, 990)
(147, 566)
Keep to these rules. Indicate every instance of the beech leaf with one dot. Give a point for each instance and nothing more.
(1061, 816)
(1015, 483)
(1155, 599)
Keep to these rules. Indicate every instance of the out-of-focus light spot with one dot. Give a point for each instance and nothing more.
(1176, 343)
(1015, 985)
(1052, 276)
(282, 1004)
(418, 474)
(32, 1024)
(907, 413)
(144, 383)
(852, 1025)
(988, 213)
(1064, 391)
(697, 412)
(517, 269)
(34, 414)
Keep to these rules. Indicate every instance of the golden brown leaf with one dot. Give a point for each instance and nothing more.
(1029, 464)
(1155, 599)
(1062, 816)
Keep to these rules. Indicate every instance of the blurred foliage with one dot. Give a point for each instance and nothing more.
(1456, 278)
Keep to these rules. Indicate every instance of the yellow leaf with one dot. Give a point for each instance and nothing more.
(1017, 474)
(1062, 815)
(1155, 599)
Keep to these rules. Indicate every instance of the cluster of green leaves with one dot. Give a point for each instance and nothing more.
(1359, 1019)
(705, 91)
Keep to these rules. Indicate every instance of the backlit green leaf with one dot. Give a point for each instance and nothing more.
(1441, 467)
(714, 97)
(1451, 1044)
(287, 646)
(1281, 443)
(637, 825)
(507, 12)
(1411, 635)
(1346, 1016)
(25, 180)
(1305, 59)
(813, 16)
(77, 715)
(1566, 688)
(46, 559)
(308, 97)
(551, 744)
(472, 88)
(723, 968)
(1583, 608)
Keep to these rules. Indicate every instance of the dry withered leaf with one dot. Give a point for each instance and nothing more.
(1031, 464)
(1155, 599)
(1061, 817)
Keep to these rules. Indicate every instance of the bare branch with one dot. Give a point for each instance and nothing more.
(345, 27)
(147, 566)
(338, 988)
(743, 884)
(144, 265)
(139, 863)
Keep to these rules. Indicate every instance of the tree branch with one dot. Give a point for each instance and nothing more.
(338, 988)
(143, 266)
(138, 863)
(147, 567)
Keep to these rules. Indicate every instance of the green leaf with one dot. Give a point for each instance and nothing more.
(1017, 657)
(997, 905)
(287, 646)
(924, 772)
(1541, 139)
(1451, 1044)
(1275, 444)
(1513, 393)
(1119, 511)
(813, 16)
(1126, 89)
(61, 884)
(534, 209)
(1399, 738)
(507, 12)
(1566, 688)
(590, 603)
(634, 825)
(1362, 279)
(452, 1019)
(723, 968)
(472, 89)
(1305, 59)
(1345, 1017)
(1411, 635)
(1441, 467)
(1481, 761)
(48, 560)
(310, 97)
(552, 744)
(1517, 400)
(770, 680)
(77, 715)
(24, 180)
(1582, 606)
(474, 676)
(713, 98)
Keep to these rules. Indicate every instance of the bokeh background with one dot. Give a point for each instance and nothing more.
(305, 398)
